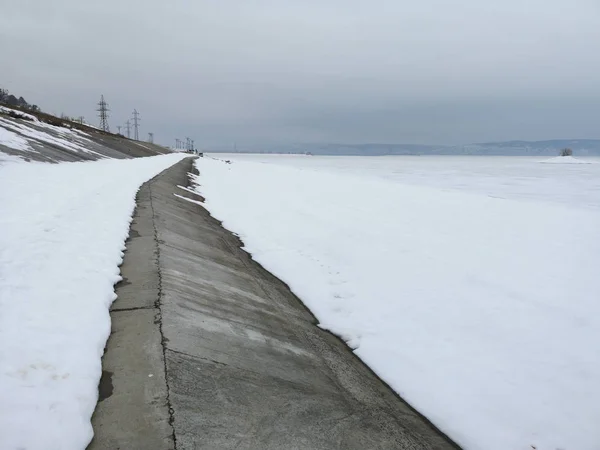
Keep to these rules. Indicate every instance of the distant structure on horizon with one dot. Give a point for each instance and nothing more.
(187, 145)
(103, 114)
(580, 147)
(128, 128)
(136, 124)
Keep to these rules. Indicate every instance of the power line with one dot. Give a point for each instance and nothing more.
(128, 128)
(187, 144)
(103, 114)
(136, 124)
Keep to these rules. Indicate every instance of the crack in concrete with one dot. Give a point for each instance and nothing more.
(158, 320)
(135, 308)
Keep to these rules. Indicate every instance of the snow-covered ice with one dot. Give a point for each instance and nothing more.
(470, 285)
(62, 233)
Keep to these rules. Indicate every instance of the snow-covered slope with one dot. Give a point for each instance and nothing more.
(62, 233)
(13, 140)
(470, 285)
(24, 137)
(29, 135)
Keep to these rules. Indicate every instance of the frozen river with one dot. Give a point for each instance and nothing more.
(469, 284)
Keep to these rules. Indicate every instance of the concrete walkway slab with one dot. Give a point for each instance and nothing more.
(133, 411)
(246, 365)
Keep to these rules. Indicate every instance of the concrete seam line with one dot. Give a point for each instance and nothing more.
(158, 306)
(135, 308)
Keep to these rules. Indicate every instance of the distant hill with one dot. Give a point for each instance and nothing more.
(580, 147)
(9, 99)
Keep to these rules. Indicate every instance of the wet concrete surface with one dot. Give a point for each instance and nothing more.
(244, 365)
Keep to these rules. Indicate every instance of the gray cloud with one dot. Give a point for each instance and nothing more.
(331, 70)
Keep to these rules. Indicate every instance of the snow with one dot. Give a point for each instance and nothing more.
(21, 134)
(62, 233)
(4, 158)
(468, 284)
(64, 139)
(13, 140)
(187, 199)
(565, 160)
(5, 110)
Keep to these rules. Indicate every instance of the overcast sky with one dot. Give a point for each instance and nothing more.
(351, 71)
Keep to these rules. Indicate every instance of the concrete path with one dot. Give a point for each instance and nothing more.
(210, 351)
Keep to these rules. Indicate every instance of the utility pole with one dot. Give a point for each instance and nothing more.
(151, 138)
(188, 146)
(177, 141)
(119, 128)
(103, 114)
(136, 124)
(128, 128)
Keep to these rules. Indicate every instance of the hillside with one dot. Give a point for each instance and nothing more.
(580, 147)
(35, 136)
